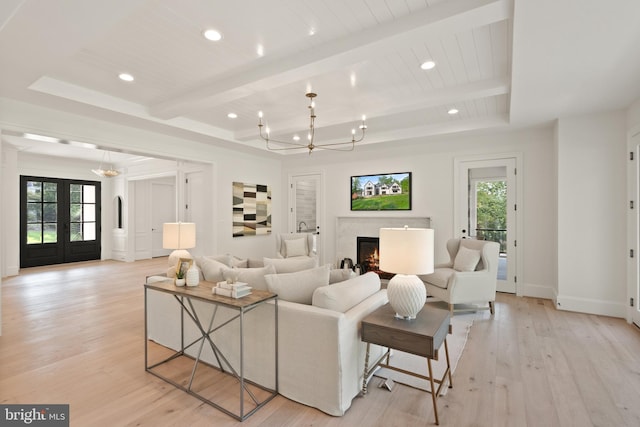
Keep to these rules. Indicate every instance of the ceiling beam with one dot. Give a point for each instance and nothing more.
(281, 69)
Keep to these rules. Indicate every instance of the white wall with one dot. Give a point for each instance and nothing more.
(591, 213)
(2, 225)
(432, 165)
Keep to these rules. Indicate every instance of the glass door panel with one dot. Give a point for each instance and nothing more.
(59, 221)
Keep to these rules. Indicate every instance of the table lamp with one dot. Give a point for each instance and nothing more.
(406, 252)
(179, 236)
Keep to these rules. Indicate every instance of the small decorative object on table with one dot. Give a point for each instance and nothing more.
(231, 275)
(233, 290)
(193, 275)
(180, 278)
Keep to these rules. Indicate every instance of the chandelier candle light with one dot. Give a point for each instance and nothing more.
(406, 252)
(310, 144)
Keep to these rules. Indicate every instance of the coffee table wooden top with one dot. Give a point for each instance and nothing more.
(203, 293)
(422, 336)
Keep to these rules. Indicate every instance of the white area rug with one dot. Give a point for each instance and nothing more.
(461, 324)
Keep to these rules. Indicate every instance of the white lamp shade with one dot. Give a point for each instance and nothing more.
(406, 250)
(179, 235)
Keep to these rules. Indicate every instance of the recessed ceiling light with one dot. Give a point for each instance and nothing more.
(212, 35)
(312, 31)
(427, 65)
(296, 138)
(260, 50)
(453, 111)
(125, 77)
(232, 115)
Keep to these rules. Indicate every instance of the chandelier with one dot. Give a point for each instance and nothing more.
(310, 144)
(108, 171)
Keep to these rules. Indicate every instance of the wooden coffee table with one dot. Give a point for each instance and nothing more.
(422, 336)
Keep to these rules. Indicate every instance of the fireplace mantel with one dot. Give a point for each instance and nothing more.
(348, 228)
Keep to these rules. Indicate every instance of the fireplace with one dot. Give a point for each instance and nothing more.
(369, 256)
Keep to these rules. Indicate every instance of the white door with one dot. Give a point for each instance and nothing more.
(163, 209)
(195, 209)
(494, 179)
(305, 207)
(634, 230)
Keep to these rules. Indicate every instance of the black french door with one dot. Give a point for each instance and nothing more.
(59, 221)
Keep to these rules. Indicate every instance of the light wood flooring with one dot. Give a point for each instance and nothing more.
(74, 334)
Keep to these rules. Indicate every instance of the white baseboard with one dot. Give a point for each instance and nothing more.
(591, 306)
(12, 271)
(577, 304)
(537, 291)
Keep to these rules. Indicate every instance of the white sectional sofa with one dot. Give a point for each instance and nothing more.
(320, 354)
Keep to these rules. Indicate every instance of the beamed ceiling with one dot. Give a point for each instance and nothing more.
(500, 63)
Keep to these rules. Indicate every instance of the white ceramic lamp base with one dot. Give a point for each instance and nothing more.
(176, 255)
(407, 295)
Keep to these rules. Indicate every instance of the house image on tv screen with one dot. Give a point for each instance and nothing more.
(370, 189)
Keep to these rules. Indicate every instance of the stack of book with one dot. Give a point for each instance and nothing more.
(233, 290)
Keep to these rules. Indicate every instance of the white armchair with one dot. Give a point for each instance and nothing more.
(295, 244)
(470, 275)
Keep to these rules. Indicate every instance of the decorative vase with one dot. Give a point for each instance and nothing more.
(193, 276)
(407, 295)
(180, 282)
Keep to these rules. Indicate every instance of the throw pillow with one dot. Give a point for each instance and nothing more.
(295, 247)
(254, 276)
(339, 275)
(291, 265)
(239, 262)
(255, 263)
(299, 286)
(211, 269)
(466, 259)
(342, 296)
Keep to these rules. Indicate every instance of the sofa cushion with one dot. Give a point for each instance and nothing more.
(211, 269)
(344, 295)
(291, 265)
(295, 247)
(340, 275)
(298, 286)
(225, 259)
(253, 276)
(440, 277)
(466, 259)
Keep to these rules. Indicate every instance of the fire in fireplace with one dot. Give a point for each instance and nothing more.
(369, 256)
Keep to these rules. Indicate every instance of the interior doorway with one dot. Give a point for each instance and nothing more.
(305, 207)
(163, 209)
(486, 209)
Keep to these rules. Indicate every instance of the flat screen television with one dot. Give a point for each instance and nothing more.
(381, 192)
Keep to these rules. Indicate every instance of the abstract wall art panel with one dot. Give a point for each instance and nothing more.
(251, 209)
